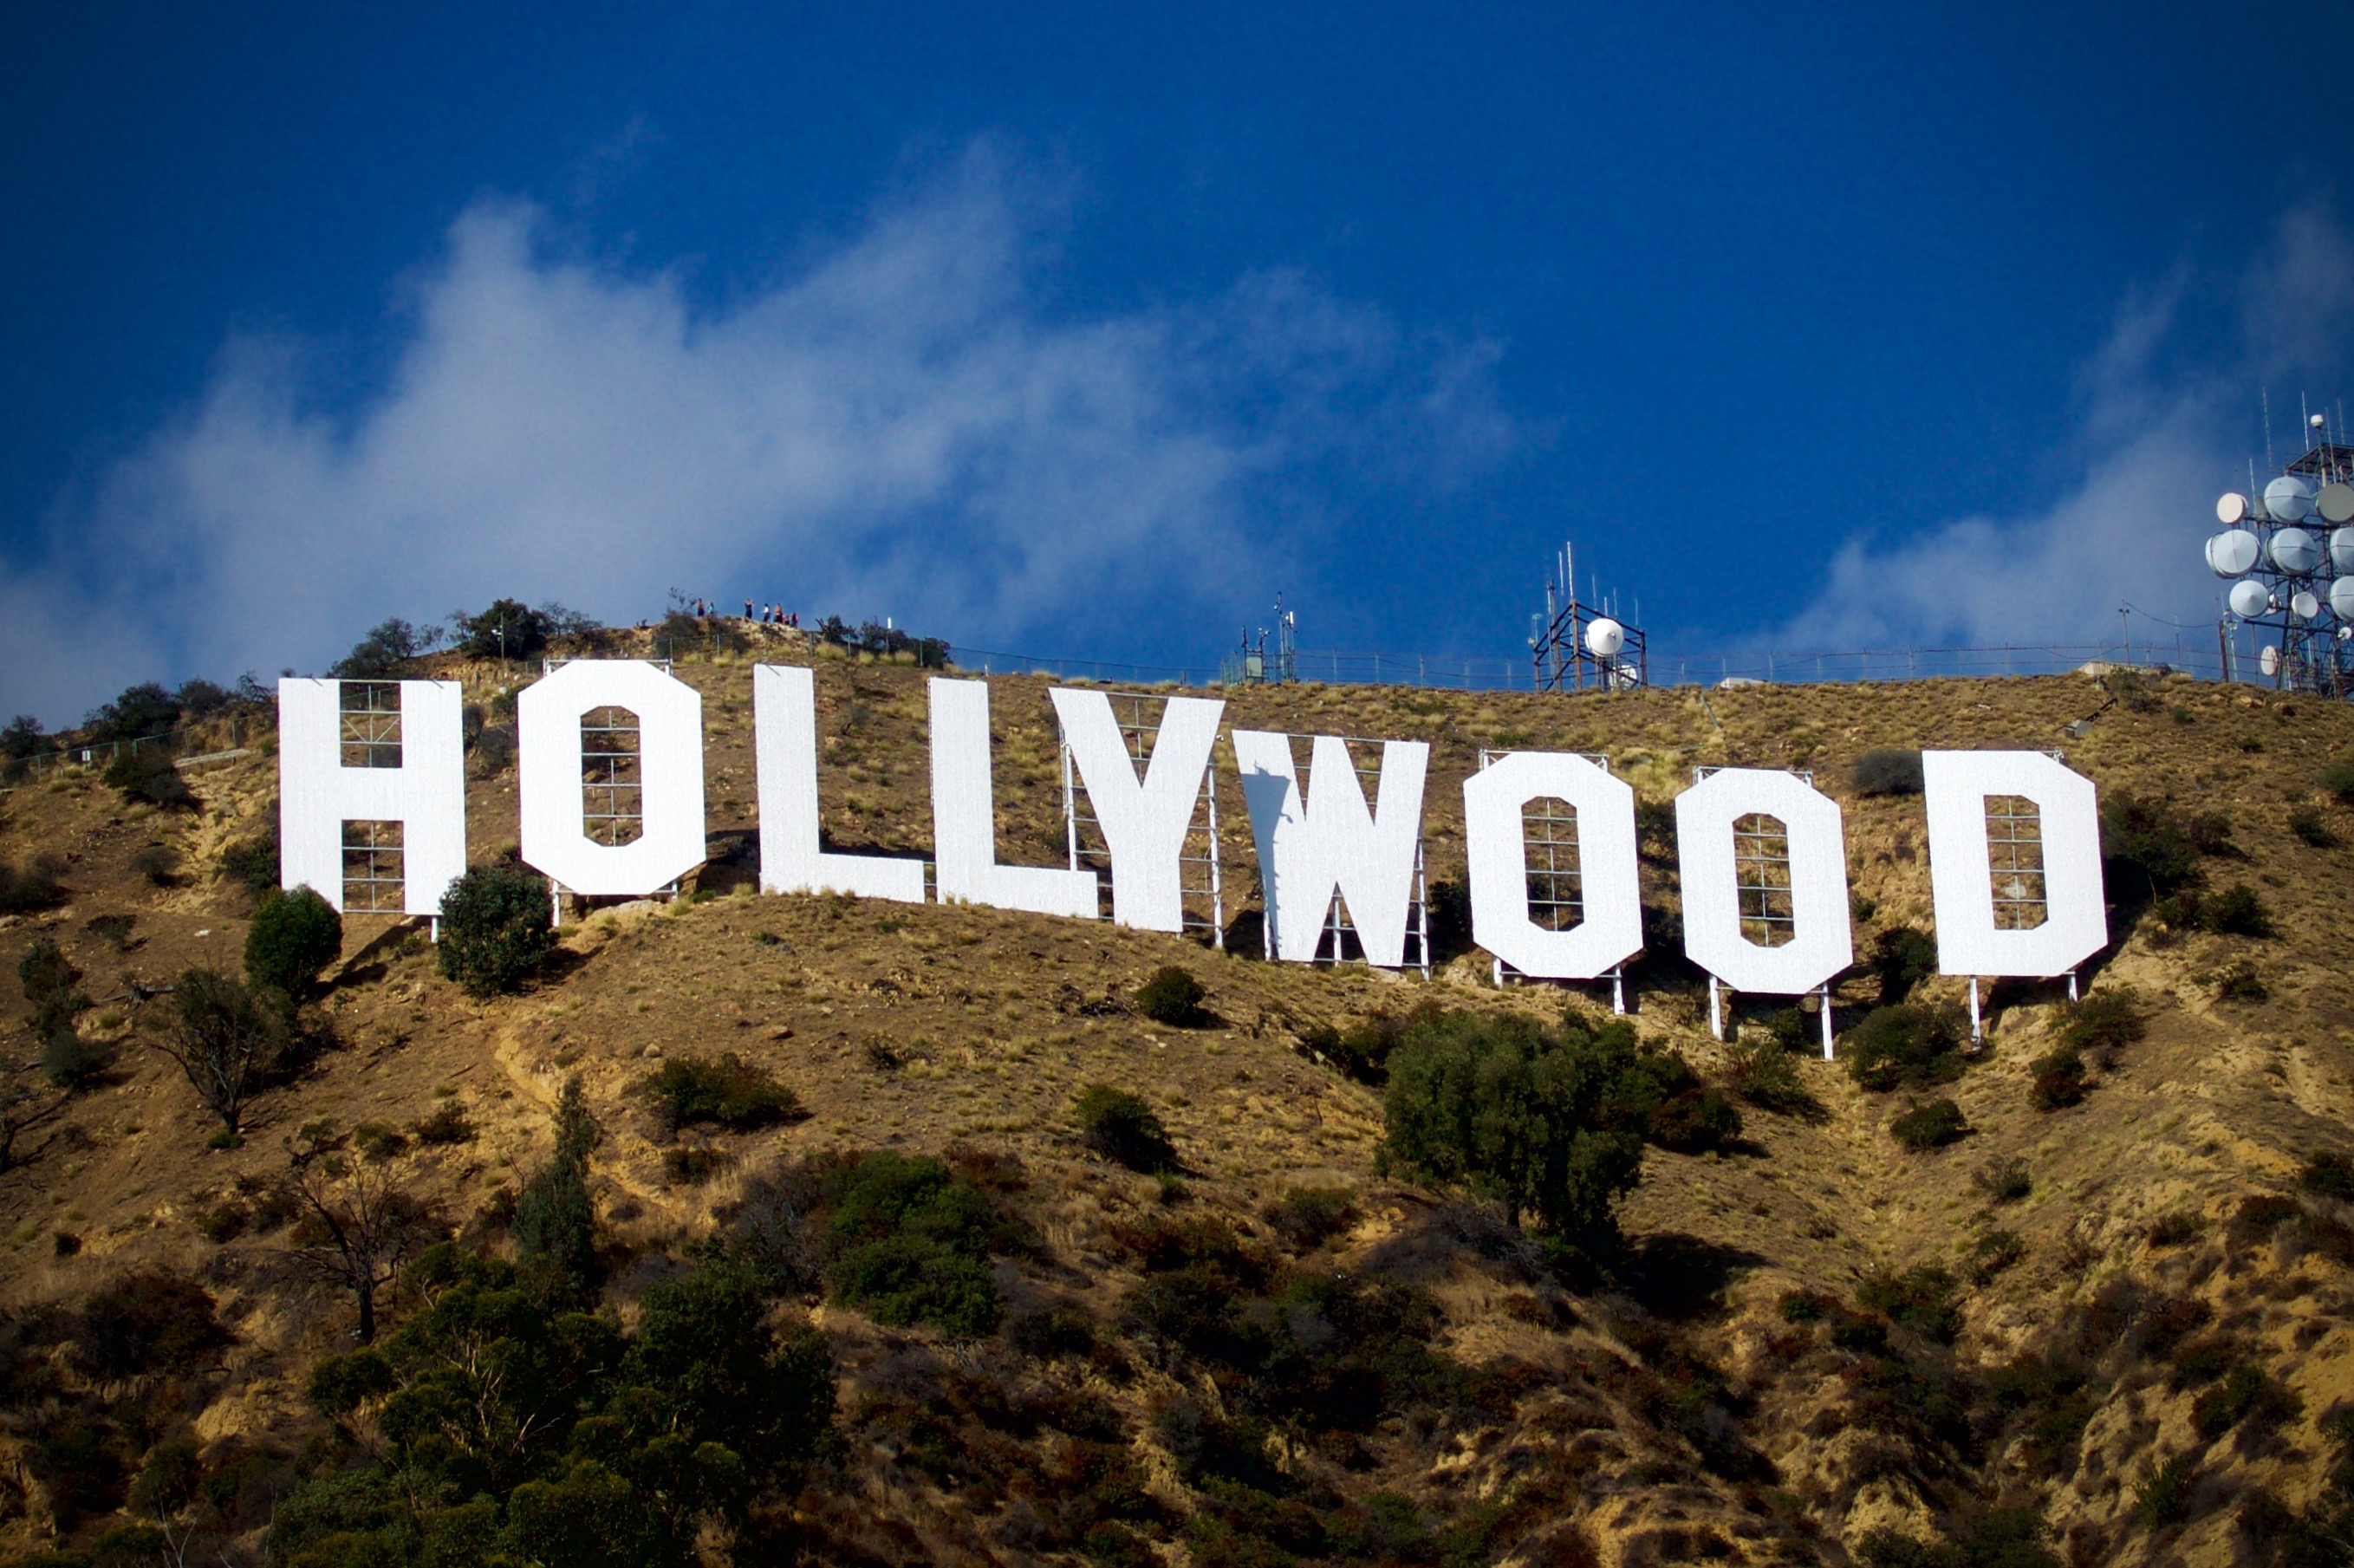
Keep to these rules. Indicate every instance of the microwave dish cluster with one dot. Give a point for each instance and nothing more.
(2287, 553)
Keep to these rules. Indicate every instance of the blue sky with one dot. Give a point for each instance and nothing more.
(1083, 333)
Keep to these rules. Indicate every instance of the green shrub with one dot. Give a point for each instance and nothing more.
(1902, 958)
(1308, 1217)
(2238, 980)
(252, 862)
(113, 929)
(1999, 1538)
(1524, 1115)
(292, 938)
(1904, 1047)
(1173, 997)
(1363, 1050)
(2237, 911)
(691, 1165)
(1767, 1078)
(1887, 771)
(497, 928)
(2338, 779)
(49, 979)
(2162, 844)
(1121, 1128)
(2105, 1020)
(227, 1041)
(1930, 1124)
(909, 1241)
(1920, 1298)
(2175, 1230)
(70, 1061)
(386, 653)
(509, 629)
(2308, 823)
(2163, 1496)
(2058, 1080)
(446, 1127)
(556, 1218)
(732, 1093)
(2331, 1174)
(147, 775)
(148, 1321)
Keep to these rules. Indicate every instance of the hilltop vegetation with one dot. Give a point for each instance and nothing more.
(761, 1230)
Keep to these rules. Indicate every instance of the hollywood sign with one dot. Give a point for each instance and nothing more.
(1316, 841)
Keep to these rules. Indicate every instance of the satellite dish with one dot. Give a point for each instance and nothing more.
(2304, 606)
(1605, 636)
(2317, 422)
(2268, 661)
(2341, 599)
(2341, 550)
(2249, 599)
(2289, 498)
(2296, 551)
(2235, 551)
(2232, 508)
(2336, 501)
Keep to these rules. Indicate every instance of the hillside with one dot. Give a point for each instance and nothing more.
(2149, 1350)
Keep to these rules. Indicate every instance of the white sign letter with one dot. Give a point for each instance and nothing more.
(1309, 850)
(1144, 825)
(1611, 928)
(1805, 826)
(669, 794)
(425, 792)
(964, 818)
(2052, 916)
(784, 732)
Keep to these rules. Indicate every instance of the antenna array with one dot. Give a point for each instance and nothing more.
(2288, 553)
(1577, 645)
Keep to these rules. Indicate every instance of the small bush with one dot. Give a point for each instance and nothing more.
(149, 776)
(2164, 845)
(2236, 912)
(1920, 1298)
(113, 929)
(2246, 1393)
(1904, 1047)
(252, 862)
(2058, 1080)
(149, 1321)
(1308, 1217)
(292, 938)
(2105, 1020)
(1767, 1077)
(2175, 1230)
(1902, 958)
(1363, 1050)
(732, 1093)
(70, 1061)
(2237, 980)
(1887, 771)
(2005, 1181)
(691, 1165)
(32, 888)
(1694, 1121)
(2338, 779)
(2258, 1216)
(1120, 1127)
(497, 928)
(2308, 823)
(1995, 1251)
(1930, 1124)
(159, 864)
(910, 1242)
(2330, 1174)
(445, 1127)
(1172, 997)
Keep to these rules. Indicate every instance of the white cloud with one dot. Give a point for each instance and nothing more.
(2157, 445)
(897, 426)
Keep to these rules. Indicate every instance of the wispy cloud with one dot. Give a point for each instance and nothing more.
(2154, 443)
(900, 425)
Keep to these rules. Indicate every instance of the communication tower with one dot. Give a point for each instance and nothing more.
(1252, 664)
(2288, 553)
(1577, 645)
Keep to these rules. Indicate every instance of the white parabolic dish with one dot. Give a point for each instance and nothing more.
(2341, 598)
(2290, 499)
(2268, 661)
(2232, 507)
(2249, 599)
(2341, 550)
(2304, 606)
(2336, 501)
(1605, 636)
(2296, 550)
(2233, 552)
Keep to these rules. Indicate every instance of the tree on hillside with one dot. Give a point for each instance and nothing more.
(292, 938)
(359, 1225)
(1526, 1115)
(496, 929)
(142, 710)
(226, 1040)
(555, 1219)
(387, 650)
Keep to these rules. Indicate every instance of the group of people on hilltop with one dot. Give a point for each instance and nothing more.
(768, 614)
